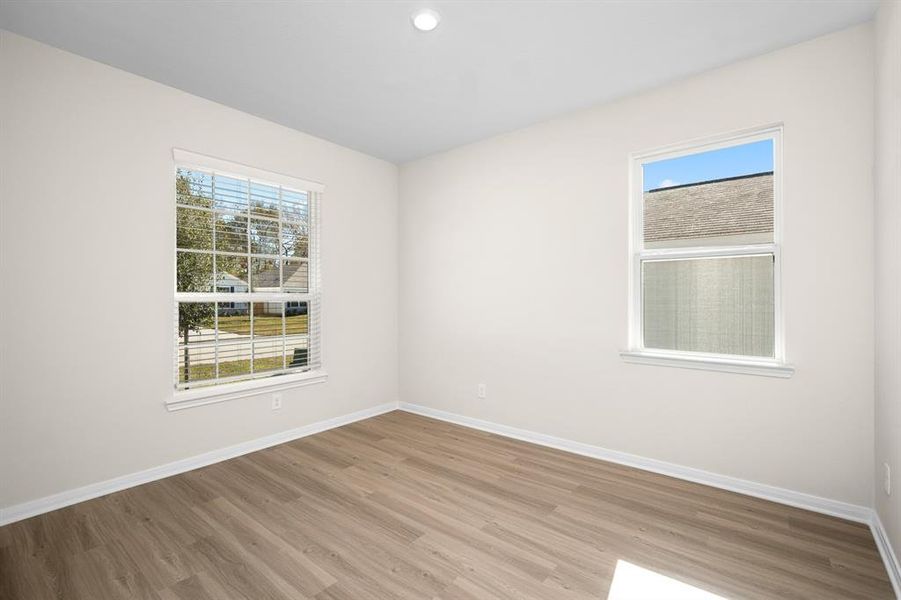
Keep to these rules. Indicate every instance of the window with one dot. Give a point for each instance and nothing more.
(706, 255)
(247, 302)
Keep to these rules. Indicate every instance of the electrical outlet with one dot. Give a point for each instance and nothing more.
(482, 391)
(276, 401)
(887, 479)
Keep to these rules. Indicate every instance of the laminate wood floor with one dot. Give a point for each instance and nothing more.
(401, 506)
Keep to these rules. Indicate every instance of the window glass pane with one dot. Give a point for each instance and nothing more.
(295, 276)
(231, 274)
(231, 233)
(234, 339)
(264, 276)
(264, 237)
(196, 342)
(715, 198)
(295, 238)
(716, 305)
(297, 352)
(268, 341)
(296, 318)
(297, 330)
(295, 205)
(194, 188)
(263, 200)
(194, 229)
(230, 194)
(194, 272)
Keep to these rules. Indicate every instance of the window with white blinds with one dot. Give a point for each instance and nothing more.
(247, 300)
(706, 250)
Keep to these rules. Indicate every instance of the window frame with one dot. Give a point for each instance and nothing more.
(637, 352)
(269, 381)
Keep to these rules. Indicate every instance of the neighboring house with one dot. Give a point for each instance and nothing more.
(296, 278)
(228, 283)
(711, 213)
(722, 305)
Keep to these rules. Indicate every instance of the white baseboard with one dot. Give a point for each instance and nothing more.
(94, 490)
(835, 508)
(844, 510)
(888, 554)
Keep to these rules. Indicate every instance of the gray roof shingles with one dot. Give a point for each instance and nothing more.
(723, 207)
(295, 273)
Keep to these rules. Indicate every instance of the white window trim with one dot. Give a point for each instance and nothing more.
(214, 393)
(709, 362)
(202, 162)
(637, 353)
(242, 389)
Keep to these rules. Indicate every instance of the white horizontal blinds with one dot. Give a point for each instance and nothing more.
(721, 305)
(246, 298)
(315, 318)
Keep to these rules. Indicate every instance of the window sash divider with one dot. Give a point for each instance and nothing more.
(244, 297)
(706, 252)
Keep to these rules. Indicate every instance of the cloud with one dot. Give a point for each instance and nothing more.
(668, 183)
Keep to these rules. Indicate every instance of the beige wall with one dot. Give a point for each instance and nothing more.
(87, 234)
(888, 264)
(514, 272)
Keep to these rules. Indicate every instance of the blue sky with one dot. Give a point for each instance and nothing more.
(745, 159)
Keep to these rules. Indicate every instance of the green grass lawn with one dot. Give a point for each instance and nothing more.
(231, 368)
(265, 325)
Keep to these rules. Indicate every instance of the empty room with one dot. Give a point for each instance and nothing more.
(450, 300)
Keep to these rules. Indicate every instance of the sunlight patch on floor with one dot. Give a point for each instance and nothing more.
(631, 582)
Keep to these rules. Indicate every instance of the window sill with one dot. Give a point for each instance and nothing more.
(725, 365)
(230, 391)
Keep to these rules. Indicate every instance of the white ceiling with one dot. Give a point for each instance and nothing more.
(358, 74)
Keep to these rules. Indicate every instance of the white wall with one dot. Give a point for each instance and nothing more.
(513, 265)
(87, 234)
(514, 272)
(888, 264)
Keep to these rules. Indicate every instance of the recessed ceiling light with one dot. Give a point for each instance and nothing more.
(426, 19)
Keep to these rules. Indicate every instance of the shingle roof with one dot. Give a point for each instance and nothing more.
(295, 274)
(732, 206)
